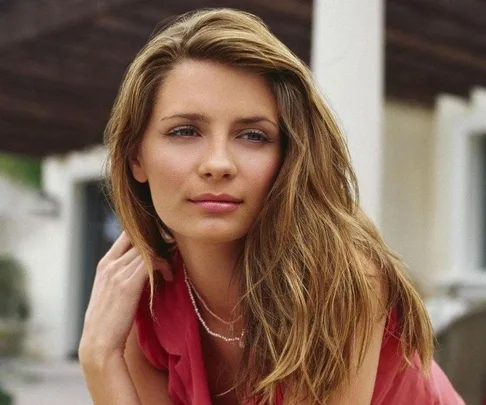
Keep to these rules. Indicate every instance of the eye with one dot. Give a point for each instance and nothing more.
(255, 136)
(185, 131)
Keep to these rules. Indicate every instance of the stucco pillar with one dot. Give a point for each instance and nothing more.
(347, 60)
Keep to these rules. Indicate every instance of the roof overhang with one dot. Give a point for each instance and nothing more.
(61, 63)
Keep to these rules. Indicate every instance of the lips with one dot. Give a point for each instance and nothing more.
(216, 204)
(216, 198)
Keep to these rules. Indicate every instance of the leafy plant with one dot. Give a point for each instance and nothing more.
(14, 306)
(26, 170)
(5, 398)
(13, 298)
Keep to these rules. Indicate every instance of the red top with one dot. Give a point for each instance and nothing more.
(172, 342)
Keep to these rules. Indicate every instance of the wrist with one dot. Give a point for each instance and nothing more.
(108, 379)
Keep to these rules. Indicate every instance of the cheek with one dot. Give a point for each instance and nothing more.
(166, 169)
(265, 172)
(165, 178)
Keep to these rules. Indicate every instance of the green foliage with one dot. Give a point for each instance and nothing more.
(13, 295)
(22, 169)
(14, 307)
(5, 398)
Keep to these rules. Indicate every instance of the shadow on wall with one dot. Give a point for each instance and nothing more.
(461, 353)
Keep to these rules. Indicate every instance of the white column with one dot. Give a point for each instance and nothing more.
(347, 61)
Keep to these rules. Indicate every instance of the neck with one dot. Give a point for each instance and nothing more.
(212, 270)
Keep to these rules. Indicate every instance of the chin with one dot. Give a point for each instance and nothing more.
(217, 236)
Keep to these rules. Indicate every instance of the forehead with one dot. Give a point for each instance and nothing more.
(213, 88)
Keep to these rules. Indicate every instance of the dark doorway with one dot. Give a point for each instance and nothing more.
(99, 229)
(482, 264)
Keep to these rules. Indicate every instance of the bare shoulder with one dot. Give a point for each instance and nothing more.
(379, 283)
(360, 388)
(150, 382)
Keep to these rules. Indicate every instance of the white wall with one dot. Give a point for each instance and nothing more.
(21, 229)
(407, 181)
(433, 191)
(51, 251)
(457, 226)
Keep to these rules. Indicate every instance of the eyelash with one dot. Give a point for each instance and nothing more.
(176, 132)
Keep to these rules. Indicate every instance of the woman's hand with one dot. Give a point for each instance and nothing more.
(120, 278)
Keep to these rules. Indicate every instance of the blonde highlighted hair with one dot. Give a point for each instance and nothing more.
(306, 289)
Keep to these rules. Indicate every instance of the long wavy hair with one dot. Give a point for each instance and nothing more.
(306, 291)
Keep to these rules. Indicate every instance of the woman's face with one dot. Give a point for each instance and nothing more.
(211, 151)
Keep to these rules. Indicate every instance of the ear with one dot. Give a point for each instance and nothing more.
(137, 168)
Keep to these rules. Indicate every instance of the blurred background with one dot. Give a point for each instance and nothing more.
(406, 78)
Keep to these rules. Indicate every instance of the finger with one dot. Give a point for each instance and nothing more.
(129, 256)
(120, 246)
(139, 274)
(126, 271)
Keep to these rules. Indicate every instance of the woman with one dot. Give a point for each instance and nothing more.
(225, 161)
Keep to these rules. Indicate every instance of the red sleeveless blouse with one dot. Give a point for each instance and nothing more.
(172, 342)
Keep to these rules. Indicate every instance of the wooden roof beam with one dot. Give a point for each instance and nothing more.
(21, 20)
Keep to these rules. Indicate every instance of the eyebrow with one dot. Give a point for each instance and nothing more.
(203, 118)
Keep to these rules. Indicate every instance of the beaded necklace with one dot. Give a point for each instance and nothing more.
(238, 339)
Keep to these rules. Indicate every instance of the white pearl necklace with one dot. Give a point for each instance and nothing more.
(238, 339)
(230, 324)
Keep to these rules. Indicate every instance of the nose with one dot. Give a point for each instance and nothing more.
(217, 162)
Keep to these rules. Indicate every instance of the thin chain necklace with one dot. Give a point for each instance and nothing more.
(229, 323)
(238, 339)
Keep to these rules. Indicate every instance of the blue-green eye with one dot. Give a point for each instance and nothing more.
(185, 131)
(255, 136)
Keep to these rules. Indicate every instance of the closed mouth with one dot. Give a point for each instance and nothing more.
(212, 198)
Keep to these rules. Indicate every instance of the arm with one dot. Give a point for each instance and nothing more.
(150, 382)
(362, 382)
(360, 391)
(109, 381)
(108, 323)
(125, 379)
